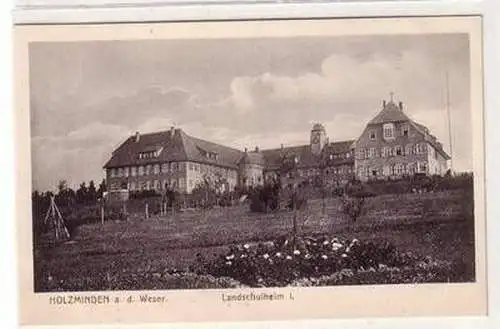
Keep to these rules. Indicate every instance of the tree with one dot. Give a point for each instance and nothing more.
(65, 196)
(91, 193)
(101, 189)
(81, 193)
(353, 202)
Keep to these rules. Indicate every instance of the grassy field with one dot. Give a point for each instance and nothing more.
(439, 225)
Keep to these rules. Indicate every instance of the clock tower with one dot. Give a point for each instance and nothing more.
(318, 138)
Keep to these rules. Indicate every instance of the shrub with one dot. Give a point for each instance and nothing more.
(283, 261)
(265, 198)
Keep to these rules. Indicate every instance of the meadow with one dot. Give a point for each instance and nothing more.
(163, 252)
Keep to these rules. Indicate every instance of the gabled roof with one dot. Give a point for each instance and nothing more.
(306, 158)
(394, 113)
(176, 146)
(390, 113)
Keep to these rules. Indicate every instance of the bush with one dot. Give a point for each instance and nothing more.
(282, 262)
(265, 198)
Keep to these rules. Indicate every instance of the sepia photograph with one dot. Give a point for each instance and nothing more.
(305, 160)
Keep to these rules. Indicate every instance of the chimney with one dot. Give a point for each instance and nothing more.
(282, 147)
(384, 104)
(137, 136)
(172, 131)
(246, 150)
(401, 106)
(256, 149)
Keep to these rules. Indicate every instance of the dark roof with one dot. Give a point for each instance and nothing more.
(175, 147)
(390, 113)
(318, 126)
(253, 158)
(339, 147)
(393, 113)
(306, 158)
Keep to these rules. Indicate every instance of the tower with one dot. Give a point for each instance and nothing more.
(318, 138)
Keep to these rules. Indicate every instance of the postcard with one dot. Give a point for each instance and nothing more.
(250, 170)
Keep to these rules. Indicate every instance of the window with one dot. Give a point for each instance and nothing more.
(141, 170)
(173, 183)
(374, 172)
(148, 185)
(386, 171)
(398, 169)
(348, 155)
(398, 150)
(420, 148)
(405, 130)
(422, 167)
(373, 135)
(386, 152)
(411, 168)
(125, 171)
(388, 130)
(133, 186)
(191, 166)
(371, 152)
(112, 172)
(156, 169)
(164, 167)
(361, 154)
(156, 185)
(174, 166)
(409, 149)
(133, 171)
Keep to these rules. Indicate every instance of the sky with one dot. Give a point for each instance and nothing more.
(88, 97)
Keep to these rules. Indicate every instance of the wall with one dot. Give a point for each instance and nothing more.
(379, 162)
(251, 175)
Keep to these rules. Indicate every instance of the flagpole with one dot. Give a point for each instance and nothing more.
(448, 113)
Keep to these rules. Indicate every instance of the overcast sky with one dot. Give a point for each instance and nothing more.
(87, 97)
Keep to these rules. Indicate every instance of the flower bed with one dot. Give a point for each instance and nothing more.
(324, 261)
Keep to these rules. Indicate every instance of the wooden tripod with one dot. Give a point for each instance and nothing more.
(56, 219)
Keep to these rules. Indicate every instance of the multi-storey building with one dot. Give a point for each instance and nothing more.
(170, 159)
(391, 145)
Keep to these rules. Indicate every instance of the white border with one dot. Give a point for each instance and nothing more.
(166, 12)
(491, 11)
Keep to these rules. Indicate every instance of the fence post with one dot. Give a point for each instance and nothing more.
(147, 211)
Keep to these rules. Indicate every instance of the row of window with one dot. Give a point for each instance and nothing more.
(398, 150)
(397, 169)
(389, 131)
(150, 154)
(157, 184)
(340, 156)
(162, 185)
(167, 168)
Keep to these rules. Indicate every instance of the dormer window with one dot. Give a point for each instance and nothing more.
(373, 135)
(388, 131)
(150, 153)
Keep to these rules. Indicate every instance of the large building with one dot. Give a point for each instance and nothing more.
(391, 145)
